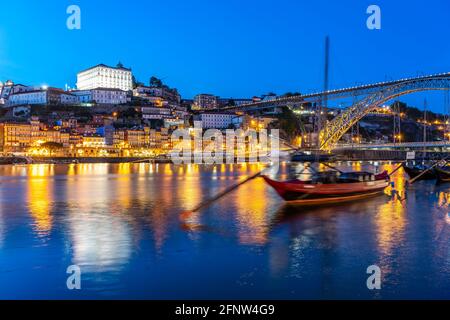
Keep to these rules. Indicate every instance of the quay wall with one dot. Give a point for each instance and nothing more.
(387, 155)
(68, 160)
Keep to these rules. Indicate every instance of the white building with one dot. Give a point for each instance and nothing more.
(103, 76)
(8, 88)
(109, 96)
(158, 113)
(83, 96)
(47, 96)
(33, 97)
(216, 120)
(101, 96)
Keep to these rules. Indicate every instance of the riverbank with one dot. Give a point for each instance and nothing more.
(68, 160)
(341, 155)
(387, 155)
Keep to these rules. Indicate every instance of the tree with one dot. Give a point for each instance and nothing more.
(129, 113)
(289, 123)
(52, 146)
(155, 82)
(291, 94)
(136, 83)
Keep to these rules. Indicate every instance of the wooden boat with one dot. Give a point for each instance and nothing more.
(442, 174)
(330, 187)
(416, 170)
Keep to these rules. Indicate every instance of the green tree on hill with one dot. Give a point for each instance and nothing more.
(289, 123)
(155, 82)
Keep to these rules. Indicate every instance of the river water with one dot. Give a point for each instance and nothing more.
(122, 224)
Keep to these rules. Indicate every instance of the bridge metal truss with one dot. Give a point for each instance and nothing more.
(317, 97)
(335, 129)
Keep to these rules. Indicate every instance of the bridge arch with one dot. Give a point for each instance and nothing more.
(335, 129)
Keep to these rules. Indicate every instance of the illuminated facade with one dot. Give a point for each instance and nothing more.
(14, 137)
(156, 113)
(217, 120)
(93, 141)
(49, 96)
(9, 88)
(101, 96)
(103, 76)
(37, 139)
(167, 94)
(205, 102)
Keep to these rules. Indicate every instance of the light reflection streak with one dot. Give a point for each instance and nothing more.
(190, 193)
(251, 214)
(100, 242)
(390, 221)
(2, 227)
(40, 197)
(101, 239)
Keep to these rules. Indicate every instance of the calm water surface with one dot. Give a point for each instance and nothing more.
(121, 224)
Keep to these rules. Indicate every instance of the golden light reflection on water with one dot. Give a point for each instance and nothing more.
(40, 196)
(71, 169)
(390, 219)
(190, 189)
(442, 226)
(248, 203)
(251, 208)
(390, 222)
(251, 214)
(192, 194)
(443, 199)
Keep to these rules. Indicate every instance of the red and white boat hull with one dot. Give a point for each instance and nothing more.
(305, 193)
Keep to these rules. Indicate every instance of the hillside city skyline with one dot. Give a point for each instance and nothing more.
(260, 49)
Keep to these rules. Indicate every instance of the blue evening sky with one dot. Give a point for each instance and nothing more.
(232, 48)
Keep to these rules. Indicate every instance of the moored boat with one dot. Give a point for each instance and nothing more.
(442, 174)
(330, 187)
(419, 169)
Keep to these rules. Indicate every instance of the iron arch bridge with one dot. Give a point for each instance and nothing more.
(335, 129)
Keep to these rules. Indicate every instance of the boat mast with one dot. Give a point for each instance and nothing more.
(447, 116)
(424, 124)
(323, 109)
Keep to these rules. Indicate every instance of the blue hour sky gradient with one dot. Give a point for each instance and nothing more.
(230, 48)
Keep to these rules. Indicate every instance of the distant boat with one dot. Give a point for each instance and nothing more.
(419, 169)
(330, 187)
(442, 174)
